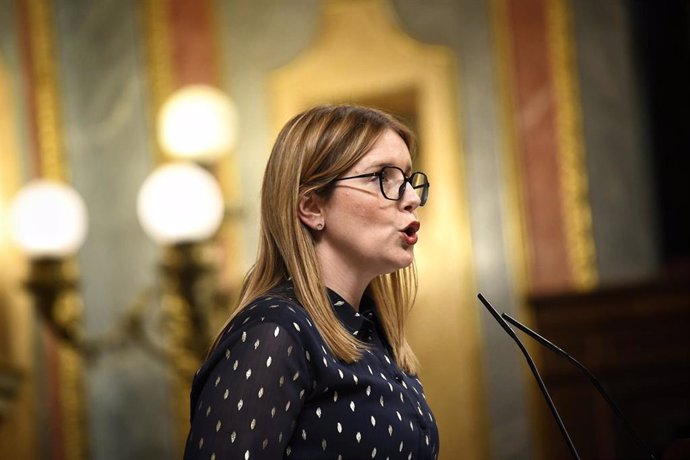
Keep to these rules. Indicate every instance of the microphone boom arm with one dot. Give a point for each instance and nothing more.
(600, 388)
(534, 370)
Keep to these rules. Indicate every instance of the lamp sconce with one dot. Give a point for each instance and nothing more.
(180, 206)
(53, 284)
(49, 223)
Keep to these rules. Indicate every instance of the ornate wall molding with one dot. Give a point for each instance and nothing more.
(552, 139)
(577, 214)
(65, 374)
(45, 99)
(155, 14)
(543, 135)
(17, 435)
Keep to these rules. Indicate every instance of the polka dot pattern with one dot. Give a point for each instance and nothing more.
(272, 389)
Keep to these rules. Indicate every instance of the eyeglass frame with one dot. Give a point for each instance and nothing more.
(424, 197)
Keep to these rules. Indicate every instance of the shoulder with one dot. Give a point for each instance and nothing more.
(266, 329)
(278, 308)
(272, 313)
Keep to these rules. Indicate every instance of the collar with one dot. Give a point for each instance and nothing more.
(360, 324)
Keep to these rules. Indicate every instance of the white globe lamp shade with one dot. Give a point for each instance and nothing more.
(197, 123)
(180, 203)
(48, 219)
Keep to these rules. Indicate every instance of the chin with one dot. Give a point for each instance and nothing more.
(405, 262)
(397, 261)
(394, 267)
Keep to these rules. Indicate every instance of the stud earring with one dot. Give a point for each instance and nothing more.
(319, 226)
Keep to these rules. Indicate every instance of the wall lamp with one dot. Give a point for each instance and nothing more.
(180, 206)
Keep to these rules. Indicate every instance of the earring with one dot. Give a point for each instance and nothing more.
(319, 226)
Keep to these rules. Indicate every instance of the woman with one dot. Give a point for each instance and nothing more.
(314, 362)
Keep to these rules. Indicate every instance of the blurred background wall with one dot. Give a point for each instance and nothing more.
(555, 136)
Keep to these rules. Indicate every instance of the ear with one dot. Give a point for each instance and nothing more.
(311, 211)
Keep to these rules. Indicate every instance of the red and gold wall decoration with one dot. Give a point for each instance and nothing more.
(542, 119)
(62, 375)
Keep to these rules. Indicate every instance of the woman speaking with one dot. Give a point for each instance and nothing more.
(314, 362)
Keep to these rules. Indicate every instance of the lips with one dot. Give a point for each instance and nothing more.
(409, 233)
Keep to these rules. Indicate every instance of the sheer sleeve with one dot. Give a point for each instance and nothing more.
(249, 404)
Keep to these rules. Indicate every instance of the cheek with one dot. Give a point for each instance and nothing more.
(362, 214)
(369, 215)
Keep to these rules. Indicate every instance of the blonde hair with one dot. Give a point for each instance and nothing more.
(313, 149)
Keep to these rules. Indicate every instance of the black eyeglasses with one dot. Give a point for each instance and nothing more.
(393, 181)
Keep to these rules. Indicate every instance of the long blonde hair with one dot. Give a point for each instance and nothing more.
(311, 150)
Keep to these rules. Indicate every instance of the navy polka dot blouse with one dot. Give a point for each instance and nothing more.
(272, 390)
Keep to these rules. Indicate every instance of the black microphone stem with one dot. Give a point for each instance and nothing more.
(600, 388)
(533, 367)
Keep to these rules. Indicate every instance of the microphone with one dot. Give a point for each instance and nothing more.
(600, 388)
(535, 372)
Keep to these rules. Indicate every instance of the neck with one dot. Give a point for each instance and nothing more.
(339, 277)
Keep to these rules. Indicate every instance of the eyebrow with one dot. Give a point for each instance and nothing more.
(378, 166)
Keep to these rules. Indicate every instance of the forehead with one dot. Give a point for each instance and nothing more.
(388, 150)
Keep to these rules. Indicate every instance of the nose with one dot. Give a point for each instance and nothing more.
(410, 199)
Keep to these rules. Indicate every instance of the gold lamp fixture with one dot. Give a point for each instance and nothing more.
(48, 221)
(180, 206)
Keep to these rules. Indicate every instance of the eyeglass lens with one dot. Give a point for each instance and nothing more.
(393, 184)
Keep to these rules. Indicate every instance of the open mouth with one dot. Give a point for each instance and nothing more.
(410, 233)
(411, 229)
